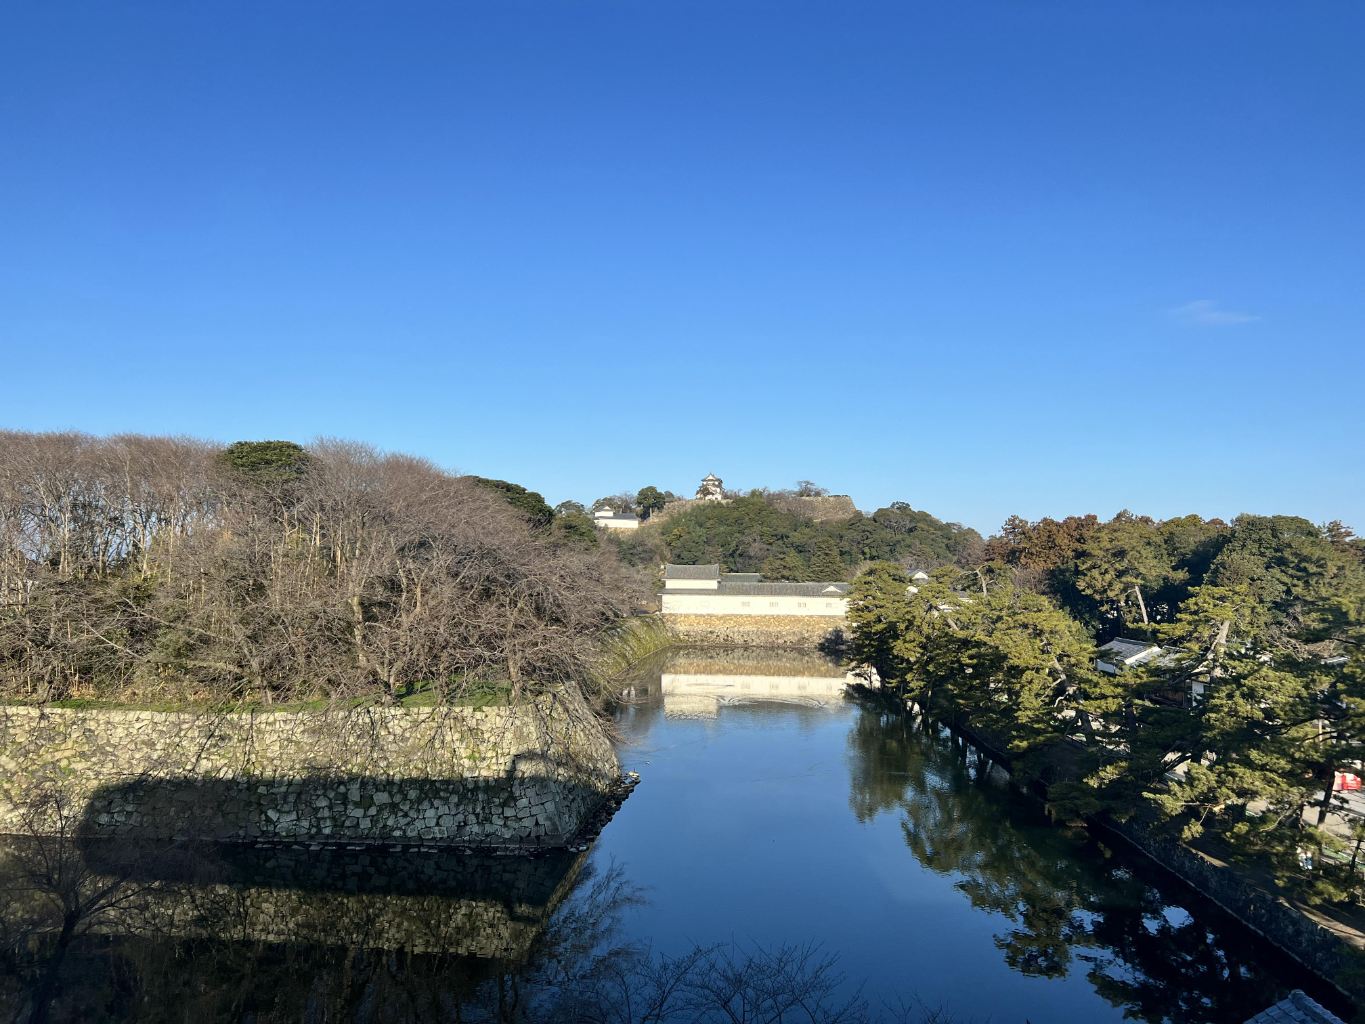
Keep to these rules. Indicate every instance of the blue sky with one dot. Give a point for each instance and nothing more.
(987, 258)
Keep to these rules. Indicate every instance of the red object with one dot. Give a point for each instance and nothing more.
(1346, 782)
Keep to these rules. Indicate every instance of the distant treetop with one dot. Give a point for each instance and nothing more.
(267, 461)
(531, 504)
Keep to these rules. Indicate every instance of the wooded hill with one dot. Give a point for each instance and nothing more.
(762, 532)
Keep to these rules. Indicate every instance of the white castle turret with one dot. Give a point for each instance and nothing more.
(711, 489)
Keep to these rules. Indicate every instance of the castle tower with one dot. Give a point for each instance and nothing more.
(711, 489)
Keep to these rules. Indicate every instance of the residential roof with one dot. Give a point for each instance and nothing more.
(1296, 1008)
(748, 583)
(692, 572)
(1131, 652)
(784, 589)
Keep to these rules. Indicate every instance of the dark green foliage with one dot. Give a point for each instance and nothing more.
(791, 567)
(879, 615)
(639, 549)
(749, 533)
(649, 500)
(574, 527)
(267, 462)
(1273, 556)
(1119, 578)
(530, 504)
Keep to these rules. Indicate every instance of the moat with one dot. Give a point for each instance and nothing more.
(773, 813)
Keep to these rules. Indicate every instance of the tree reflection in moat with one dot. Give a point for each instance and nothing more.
(162, 932)
(171, 934)
(1069, 903)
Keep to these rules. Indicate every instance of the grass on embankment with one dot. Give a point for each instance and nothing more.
(623, 645)
(628, 642)
(420, 695)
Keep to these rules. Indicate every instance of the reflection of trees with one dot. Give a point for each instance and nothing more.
(49, 900)
(728, 680)
(148, 932)
(885, 760)
(1065, 899)
(953, 826)
(1200, 976)
(170, 951)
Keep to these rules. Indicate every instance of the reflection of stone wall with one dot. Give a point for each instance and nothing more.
(480, 905)
(528, 775)
(756, 630)
(499, 917)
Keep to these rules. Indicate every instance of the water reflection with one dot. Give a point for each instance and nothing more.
(155, 935)
(97, 930)
(698, 683)
(1067, 904)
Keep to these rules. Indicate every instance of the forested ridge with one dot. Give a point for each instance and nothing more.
(1232, 736)
(157, 568)
(762, 532)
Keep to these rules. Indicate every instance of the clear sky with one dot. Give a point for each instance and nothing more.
(1044, 257)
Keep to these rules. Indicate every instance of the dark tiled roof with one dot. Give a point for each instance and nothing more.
(1296, 1008)
(691, 572)
(784, 589)
(741, 577)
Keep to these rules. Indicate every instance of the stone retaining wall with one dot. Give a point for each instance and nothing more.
(756, 630)
(819, 508)
(523, 776)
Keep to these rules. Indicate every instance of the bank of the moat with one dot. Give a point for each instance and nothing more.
(528, 775)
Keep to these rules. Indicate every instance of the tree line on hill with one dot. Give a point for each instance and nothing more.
(168, 568)
(1234, 735)
(762, 532)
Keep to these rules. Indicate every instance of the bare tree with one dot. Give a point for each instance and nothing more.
(141, 566)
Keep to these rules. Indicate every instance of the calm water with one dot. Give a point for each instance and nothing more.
(772, 815)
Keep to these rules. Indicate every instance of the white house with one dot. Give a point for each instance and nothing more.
(705, 590)
(609, 519)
